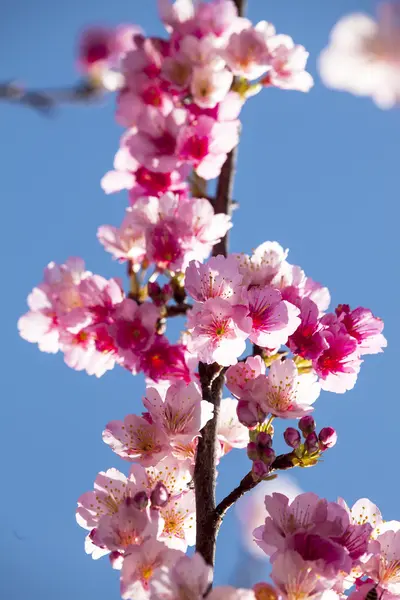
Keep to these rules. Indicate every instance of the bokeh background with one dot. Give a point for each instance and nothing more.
(317, 172)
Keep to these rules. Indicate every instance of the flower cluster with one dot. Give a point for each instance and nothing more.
(264, 299)
(318, 546)
(363, 56)
(92, 322)
(147, 520)
(179, 100)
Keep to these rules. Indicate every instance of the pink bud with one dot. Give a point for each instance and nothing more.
(311, 443)
(327, 438)
(259, 470)
(267, 455)
(159, 497)
(248, 414)
(252, 451)
(292, 437)
(307, 425)
(140, 500)
(264, 440)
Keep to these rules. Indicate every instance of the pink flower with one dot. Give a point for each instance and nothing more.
(218, 331)
(285, 393)
(172, 14)
(188, 579)
(308, 340)
(363, 56)
(288, 62)
(363, 511)
(101, 49)
(361, 324)
(174, 474)
(210, 86)
(136, 438)
(264, 265)
(110, 516)
(128, 526)
(133, 330)
(247, 53)
(295, 577)
(241, 377)
(164, 361)
(306, 513)
(274, 319)
(154, 144)
(218, 278)
(126, 242)
(129, 175)
(339, 364)
(182, 413)
(384, 565)
(139, 566)
(205, 143)
(231, 433)
(179, 517)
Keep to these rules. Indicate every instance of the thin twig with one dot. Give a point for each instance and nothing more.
(281, 463)
(45, 101)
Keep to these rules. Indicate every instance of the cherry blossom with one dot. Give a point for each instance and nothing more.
(181, 413)
(140, 565)
(363, 56)
(231, 433)
(137, 438)
(219, 331)
(218, 278)
(273, 319)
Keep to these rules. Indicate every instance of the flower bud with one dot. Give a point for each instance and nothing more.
(264, 591)
(327, 438)
(311, 444)
(267, 455)
(159, 296)
(139, 500)
(159, 497)
(292, 437)
(259, 470)
(252, 451)
(248, 414)
(264, 440)
(307, 425)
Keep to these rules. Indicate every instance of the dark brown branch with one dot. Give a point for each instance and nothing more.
(212, 382)
(176, 310)
(281, 463)
(45, 101)
(207, 522)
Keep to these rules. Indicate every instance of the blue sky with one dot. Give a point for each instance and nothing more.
(317, 172)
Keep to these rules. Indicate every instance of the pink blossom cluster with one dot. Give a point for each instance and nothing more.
(363, 56)
(91, 321)
(147, 519)
(264, 299)
(166, 232)
(178, 100)
(322, 549)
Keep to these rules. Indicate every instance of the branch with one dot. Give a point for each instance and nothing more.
(175, 310)
(207, 523)
(281, 463)
(45, 101)
(212, 380)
